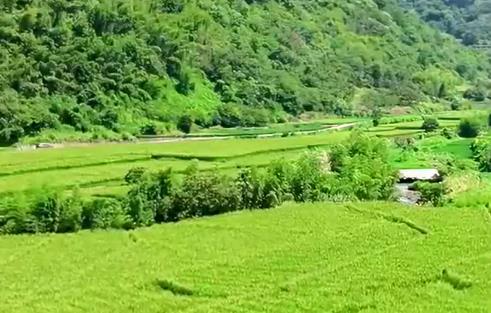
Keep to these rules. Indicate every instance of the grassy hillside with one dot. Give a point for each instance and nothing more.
(104, 67)
(374, 257)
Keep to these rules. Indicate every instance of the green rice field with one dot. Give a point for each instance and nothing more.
(94, 167)
(375, 257)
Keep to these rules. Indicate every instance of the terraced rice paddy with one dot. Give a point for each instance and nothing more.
(93, 167)
(370, 257)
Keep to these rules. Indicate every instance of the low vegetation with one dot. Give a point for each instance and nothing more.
(369, 255)
(359, 170)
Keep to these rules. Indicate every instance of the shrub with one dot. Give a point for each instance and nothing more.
(134, 175)
(447, 133)
(366, 178)
(230, 115)
(481, 153)
(470, 127)
(433, 193)
(430, 124)
(150, 130)
(250, 184)
(185, 123)
(140, 213)
(104, 214)
(203, 194)
(455, 105)
(71, 214)
(16, 216)
(308, 179)
(47, 210)
(405, 143)
(476, 94)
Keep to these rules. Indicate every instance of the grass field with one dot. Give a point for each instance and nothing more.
(370, 257)
(315, 125)
(95, 166)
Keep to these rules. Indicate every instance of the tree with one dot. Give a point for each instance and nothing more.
(470, 127)
(185, 123)
(430, 124)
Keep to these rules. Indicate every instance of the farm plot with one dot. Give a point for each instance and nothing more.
(98, 165)
(370, 257)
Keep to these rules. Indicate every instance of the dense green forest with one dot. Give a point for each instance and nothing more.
(467, 20)
(133, 67)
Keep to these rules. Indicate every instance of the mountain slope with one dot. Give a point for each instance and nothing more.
(467, 20)
(90, 66)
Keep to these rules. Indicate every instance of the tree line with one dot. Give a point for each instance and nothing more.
(358, 170)
(125, 68)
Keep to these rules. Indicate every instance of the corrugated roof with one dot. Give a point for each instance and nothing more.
(419, 174)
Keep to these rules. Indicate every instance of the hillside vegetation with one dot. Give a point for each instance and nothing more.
(371, 257)
(467, 20)
(130, 67)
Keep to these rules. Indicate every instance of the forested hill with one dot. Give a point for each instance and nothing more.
(468, 20)
(137, 66)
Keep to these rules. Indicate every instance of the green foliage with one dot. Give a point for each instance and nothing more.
(185, 124)
(104, 214)
(481, 153)
(44, 211)
(465, 19)
(133, 67)
(470, 127)
(360, 171)
(363, 170)
(432, 193)
(134, 175)
(405, 143)
(430, 124)
(476, 94)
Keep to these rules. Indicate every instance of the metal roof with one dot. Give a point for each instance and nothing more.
(419, 174)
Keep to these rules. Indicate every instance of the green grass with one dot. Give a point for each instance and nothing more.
(98, 164)
(105, 164)
(367, 257)
(316, 125)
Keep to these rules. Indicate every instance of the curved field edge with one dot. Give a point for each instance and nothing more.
(297, 258)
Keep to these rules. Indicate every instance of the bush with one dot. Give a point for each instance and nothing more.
(203, 194)
(430, 124)
(230, 115)
(185, 124)
(134, 175)
(481, 153)
(476, 94)
(433, 193)
(308, 179)
(150, 130)
(470, 127)
(251, 185)
(104, 214)
(405, 143)
(41, 212)
(447, 133)
(455, 105)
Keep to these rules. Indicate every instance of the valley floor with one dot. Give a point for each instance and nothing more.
(366, 257)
